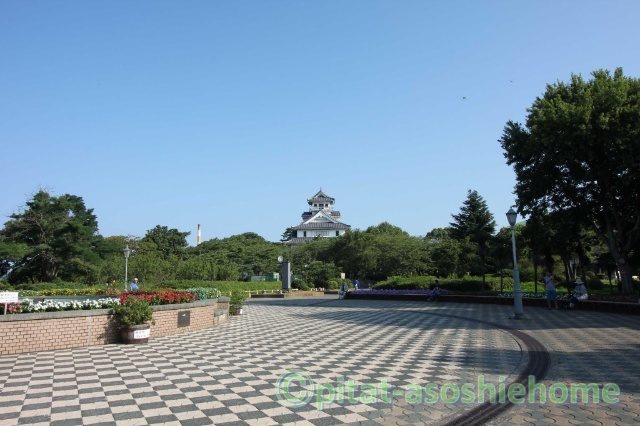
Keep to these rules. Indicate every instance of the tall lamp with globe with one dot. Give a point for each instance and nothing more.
(512, 216)
(126, 251)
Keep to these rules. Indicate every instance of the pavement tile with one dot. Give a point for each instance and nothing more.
(232, 373)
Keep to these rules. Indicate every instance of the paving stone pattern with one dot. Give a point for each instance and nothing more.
(229, 375)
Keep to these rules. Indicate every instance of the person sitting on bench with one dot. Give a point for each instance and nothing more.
(579, 293)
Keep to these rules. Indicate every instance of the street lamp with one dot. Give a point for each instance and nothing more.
(285, 273)
(126, 251)
(517, 291)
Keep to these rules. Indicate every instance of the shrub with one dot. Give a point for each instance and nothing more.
(135, 311)
(186, 284)
(203, 293)
(300, 285)
(70, 291)
(50, 286)
(405, 283)
(223, 286)
(594, 284)
(61, 288)
(333, 285)
(237, 298)
(465, 285)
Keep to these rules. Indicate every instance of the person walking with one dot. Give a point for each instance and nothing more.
(550, 289)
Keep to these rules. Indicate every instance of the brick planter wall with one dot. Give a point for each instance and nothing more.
(46, 331)
(166, 317)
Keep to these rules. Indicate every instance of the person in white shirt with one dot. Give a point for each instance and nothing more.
(579, 293)
(550, 289)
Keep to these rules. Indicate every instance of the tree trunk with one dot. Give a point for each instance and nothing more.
(609, 276)
(625, 276)
(535, 273)
(567, 272)
(621, 256)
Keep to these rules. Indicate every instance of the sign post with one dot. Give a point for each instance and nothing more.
(7, 297)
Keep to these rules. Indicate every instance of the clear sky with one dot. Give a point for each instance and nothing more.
(231, 114)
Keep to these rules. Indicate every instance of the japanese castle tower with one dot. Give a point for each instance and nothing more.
(320, 221)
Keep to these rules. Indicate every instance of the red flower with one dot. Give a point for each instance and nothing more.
(159, 298)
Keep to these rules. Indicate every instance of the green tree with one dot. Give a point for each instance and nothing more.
(320, 273)
(502, 252)
(169, 242)
(398, 253)
(287, 234)
(437, 235)
(10, 254)
(356, 254)
(53, 237)
(445, 256)
(535, 236)
(476, 223)
(387, 229)
(580, 150)
(229, 258)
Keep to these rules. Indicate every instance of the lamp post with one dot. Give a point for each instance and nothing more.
(126, 251)
(517, 291)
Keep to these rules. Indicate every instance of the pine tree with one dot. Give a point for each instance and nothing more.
(52, 238)
(474, 222)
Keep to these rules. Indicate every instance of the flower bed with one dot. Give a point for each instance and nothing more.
(28, 306)
(614, 298)
(620, 298)
(561, 296)
(400, 292)
(164, 298)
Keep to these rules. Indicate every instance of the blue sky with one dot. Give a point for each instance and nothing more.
(230, 114)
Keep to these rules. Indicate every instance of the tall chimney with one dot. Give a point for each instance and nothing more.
(199, 235)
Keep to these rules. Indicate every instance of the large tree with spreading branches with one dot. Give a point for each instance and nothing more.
(54, 237)
(579, 152)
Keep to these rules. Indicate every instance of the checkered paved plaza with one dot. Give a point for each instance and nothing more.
(362, 358)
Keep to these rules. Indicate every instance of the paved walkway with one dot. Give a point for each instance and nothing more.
(371, 362)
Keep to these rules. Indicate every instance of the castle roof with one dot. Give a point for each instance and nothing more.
(321, 225)
(322, 198)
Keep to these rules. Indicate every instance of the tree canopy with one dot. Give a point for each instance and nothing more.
(56, 238)
(52, 237)
(169, 242)
(475, 223)
(580, 150)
